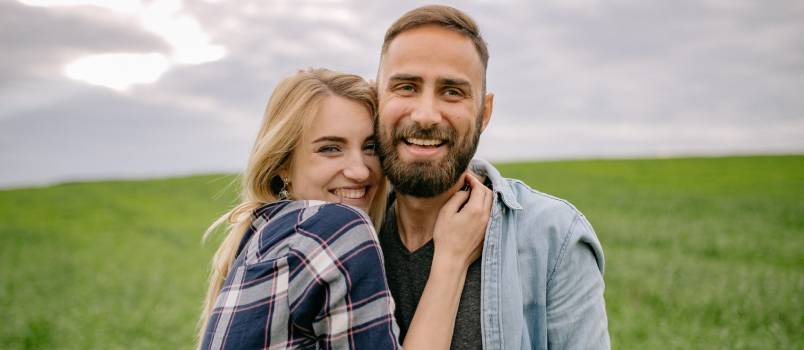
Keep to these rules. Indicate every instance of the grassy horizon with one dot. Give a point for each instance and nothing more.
(700, 253)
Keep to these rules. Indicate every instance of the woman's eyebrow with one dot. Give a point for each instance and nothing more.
(330, 139)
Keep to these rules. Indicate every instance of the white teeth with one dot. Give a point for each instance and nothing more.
(423, 142)
(350, 193)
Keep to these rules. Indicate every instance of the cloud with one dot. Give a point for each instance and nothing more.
(37, 41)
(118, 70)
(569, 139)
(103, 134)
(572, 79)
(639, 63)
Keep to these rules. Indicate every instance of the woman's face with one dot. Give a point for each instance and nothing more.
(337, 160)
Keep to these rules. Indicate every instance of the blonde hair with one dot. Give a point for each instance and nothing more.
(290, 111)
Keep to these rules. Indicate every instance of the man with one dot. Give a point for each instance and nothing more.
(539, 281)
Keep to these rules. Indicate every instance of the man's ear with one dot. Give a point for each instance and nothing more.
(488, 106)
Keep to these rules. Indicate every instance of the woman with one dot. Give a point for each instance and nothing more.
(299, 268)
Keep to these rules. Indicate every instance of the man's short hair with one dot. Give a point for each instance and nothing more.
(442, 16)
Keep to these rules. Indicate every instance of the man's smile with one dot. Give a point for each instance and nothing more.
(421, 148)
(424, 142)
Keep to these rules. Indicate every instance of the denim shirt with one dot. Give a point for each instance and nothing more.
(542, 272)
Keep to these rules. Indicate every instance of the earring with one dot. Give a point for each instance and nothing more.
(283, 193)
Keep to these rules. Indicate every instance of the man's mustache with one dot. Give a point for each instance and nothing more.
(437, 132)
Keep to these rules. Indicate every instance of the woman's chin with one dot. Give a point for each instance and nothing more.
(359, 203)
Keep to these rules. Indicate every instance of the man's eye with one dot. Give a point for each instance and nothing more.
(452, 92)
(405, 88)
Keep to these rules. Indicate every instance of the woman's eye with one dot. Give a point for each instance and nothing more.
(370, 148)
(328, 149)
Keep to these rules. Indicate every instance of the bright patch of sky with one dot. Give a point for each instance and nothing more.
(163, 18)
(118, 70)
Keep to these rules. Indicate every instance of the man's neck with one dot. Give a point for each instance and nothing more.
(416, 217)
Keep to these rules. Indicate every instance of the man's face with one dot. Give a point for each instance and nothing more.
(432, 109)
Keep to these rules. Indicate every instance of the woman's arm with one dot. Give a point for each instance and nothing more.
(458, 239)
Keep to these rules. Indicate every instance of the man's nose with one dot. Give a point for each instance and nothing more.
(356, 169)
(426, 113)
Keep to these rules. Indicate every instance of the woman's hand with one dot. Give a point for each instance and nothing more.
(458, 238)
(461, 225)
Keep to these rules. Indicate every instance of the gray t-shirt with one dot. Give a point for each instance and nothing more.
(407, 274)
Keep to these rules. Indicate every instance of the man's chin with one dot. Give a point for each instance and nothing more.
(421, 178)
(421, 163)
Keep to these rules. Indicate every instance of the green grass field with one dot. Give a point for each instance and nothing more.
(703, 253)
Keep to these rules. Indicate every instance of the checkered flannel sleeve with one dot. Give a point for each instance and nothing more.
(312, 277)
(338, 293)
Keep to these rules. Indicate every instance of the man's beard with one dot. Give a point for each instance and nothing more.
(426, 178)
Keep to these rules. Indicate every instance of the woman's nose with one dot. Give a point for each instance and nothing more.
(356, 169)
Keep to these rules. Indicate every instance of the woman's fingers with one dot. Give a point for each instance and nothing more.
(456, 201)
(479, 196)
(461, 224)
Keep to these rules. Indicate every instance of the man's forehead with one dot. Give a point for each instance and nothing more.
(431, 52)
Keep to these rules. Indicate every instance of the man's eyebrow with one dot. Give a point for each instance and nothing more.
(406, 77)
(454, 82)
(330, 139)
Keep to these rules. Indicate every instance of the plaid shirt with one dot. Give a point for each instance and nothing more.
(308, 274)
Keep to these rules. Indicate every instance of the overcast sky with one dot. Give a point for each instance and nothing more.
(155, 88)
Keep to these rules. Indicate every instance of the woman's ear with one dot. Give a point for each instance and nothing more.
(283, 173)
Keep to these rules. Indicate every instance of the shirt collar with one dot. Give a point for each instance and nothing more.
(498, 183)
